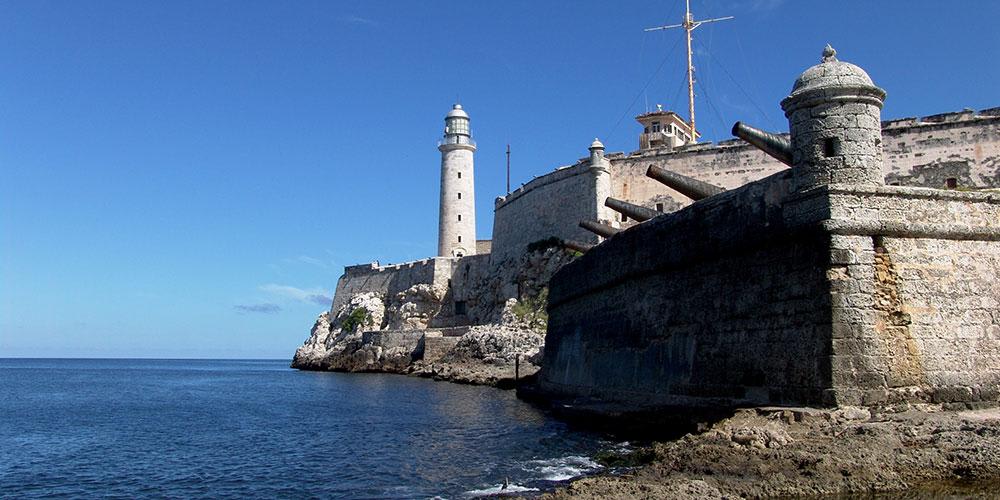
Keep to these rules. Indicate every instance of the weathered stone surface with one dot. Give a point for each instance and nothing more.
(781, 453)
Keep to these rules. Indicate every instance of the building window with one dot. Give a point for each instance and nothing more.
(459, 217)
(831, 147)
(460, 308)
(460, 196)
(951, 183)
(656, 127)
(460, 175)
(460, 238)
(624, 218)
(659, 207)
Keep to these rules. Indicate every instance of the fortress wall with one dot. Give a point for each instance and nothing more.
(548, 206)
(390, 279)
(917, 152)
(841, 295)
(929, 150)
(730, 164)
(469, 281)
(721, 302)
(916, 289)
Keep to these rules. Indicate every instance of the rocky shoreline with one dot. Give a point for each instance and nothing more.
(495, 355)
(916, 452)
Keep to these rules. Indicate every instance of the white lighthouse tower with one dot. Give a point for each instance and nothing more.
(457, 224)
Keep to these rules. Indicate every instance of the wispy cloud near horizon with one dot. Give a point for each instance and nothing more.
(264, 308)
(309, 296)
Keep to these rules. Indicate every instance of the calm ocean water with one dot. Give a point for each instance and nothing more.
(201, 428)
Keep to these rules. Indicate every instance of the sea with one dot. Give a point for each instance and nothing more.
(128, 428)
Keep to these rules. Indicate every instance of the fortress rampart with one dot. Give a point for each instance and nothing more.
(817, 285)
(928, 151)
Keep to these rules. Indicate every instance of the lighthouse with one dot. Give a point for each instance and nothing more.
(457, 222)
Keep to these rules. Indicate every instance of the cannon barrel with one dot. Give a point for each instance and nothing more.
(636, 212)
(599, 229)
(688, 186)
(576, 245)
(774, 145)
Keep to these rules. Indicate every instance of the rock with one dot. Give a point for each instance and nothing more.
(414, 307)
(374, 312)
(315, 347)
(498, 344)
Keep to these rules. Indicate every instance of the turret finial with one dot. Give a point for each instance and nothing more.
(829, 54)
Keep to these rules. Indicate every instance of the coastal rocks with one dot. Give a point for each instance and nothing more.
(486, 355)
(364, 312)
(309, 354)
(786, 452)
(494, 354)
(498, 344)
(414, 307)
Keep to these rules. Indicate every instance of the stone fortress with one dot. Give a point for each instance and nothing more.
(419, 311)
(817, 285)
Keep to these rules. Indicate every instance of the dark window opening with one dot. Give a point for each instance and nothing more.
(460, 308)
(459, 217)
(659, 207)
(831, 147)
(459, 239)
(951, 182)
(656, 127)
(624, 218)
(458, 254)
(460, 196)
(460, 175)
(449, 283)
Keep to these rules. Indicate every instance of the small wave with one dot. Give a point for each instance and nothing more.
(561, 469)
(498, 489)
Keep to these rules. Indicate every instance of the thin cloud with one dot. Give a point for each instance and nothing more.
(358, 20)
(313, 261)
(320, 299)
(265, 308)
(308, 296)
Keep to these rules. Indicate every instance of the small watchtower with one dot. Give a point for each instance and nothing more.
(834, 116)
(663, 129)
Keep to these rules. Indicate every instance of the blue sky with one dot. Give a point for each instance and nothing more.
(188, 178)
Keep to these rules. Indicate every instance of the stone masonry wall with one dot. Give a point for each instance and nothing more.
(390, 279)
(839, 295)
(915, 287)
(928, 151)
(548, 206)
(725, 302)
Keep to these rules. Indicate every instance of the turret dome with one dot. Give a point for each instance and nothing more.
(829, 78)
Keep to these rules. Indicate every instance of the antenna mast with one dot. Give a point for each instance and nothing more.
(508, 168)
(689, 25)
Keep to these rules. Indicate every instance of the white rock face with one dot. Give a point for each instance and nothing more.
(315, 347)
(375, 312)
(414, 307)
(499, 344)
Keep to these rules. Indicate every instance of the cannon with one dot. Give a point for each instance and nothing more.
(599, 229)
(576, 245)
(774, 145)
(636, 212)
(688, 186)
